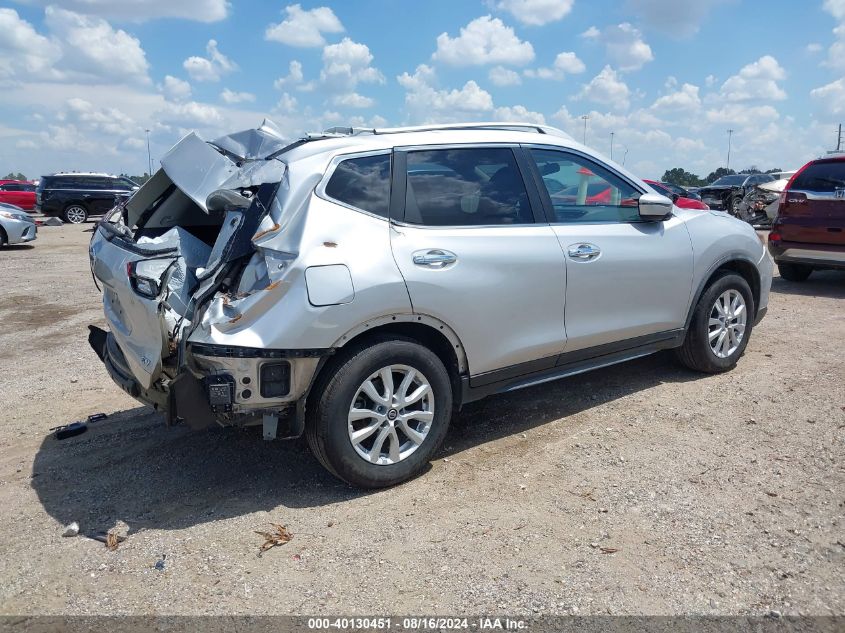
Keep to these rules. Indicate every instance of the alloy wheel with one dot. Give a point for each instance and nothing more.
(726, 327)
(75, 214)
(391, 414)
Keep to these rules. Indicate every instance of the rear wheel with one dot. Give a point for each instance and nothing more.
(379, 414)
(75, 214)
(3, 238)
(720, 326)
(794, 272)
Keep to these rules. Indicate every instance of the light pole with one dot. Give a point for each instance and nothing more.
(728, 164)
(149, 155)
(625, 155)
(611, 145)
(585, 117)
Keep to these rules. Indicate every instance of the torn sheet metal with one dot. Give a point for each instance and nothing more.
(197, 168)
(252, 144)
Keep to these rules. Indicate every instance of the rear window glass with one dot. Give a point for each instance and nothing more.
(363, 183)
(821, 177)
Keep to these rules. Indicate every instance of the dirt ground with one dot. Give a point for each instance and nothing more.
(638, 489)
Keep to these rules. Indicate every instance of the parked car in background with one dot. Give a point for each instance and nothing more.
(75, 197)
(679, 200)
(809, 230)
(16, 225)
(19, 194)
(684, 192)
(726, 193)
(359, 286)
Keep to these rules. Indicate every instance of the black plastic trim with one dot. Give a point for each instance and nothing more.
(566, 364)
(235, 351)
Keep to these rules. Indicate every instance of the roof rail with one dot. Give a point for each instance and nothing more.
(488, 125)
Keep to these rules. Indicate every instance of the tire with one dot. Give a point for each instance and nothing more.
(341, 388)
(3, 237)
(735, 207)
(75, 214)
(697, 351)
(794, 272)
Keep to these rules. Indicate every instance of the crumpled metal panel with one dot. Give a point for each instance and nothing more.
(197, 168)
(253, 144)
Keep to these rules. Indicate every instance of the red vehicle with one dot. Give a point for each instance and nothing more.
(20, 194)
(809, 231)
(681, 201)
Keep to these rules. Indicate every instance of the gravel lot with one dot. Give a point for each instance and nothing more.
(722, 494)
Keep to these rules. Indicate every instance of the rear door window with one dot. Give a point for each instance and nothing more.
(821, 177)
(362, 183)
(465, 187)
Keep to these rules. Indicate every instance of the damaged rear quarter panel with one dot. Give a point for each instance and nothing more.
(312, 232)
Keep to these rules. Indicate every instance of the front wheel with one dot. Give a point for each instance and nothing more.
(720, 326)
(75, 214)
(379, 414)
(794, 272)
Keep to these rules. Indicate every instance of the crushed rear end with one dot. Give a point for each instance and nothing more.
(194, 251)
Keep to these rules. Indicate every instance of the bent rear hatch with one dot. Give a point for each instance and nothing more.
(160, 249)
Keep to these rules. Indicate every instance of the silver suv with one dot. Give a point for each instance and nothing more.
(360, 286)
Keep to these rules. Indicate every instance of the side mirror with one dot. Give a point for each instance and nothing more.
(654, 207)
(226, 200)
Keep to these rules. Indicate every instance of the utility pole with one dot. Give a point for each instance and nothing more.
(625, 155)
(728, 164)
(149, 155)
(611, 145)
(585, 117)
(839, 139)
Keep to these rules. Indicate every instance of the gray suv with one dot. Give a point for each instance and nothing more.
(360, 286)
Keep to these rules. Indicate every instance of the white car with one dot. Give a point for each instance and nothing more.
(16, 226)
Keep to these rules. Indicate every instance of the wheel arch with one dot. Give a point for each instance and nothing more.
(428, 331)
(738, 264)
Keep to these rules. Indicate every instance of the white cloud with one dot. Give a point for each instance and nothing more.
(286, 103)
(33, 54)
(535, 12)
(564, 64)
(426, 103)
(608, 89)
(836, 8)
(92, 49)
(352, 100)
(836, 53)
(304, 28)
(175, 89)
(624, 45)
(685, 99)
(831, 98)
(347, 64)
(191, 114)
(485, 40)
(230, 96)
(210, 68)
(102, 119)
(501, 76)
(142, 10)
(738, 114)
(813, 47)
(757, 81)
(678, 19)
(518, 114)
(293, 77)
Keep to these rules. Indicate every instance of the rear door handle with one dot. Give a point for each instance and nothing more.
(434, 258)
(584, 252)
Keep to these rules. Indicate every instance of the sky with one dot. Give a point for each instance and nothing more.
(81, 81)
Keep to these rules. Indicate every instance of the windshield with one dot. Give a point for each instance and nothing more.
(731, 180)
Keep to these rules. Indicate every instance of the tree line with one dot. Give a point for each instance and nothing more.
(679, 176)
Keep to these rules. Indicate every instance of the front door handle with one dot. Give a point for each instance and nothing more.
(584, 252)
(434, 258)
